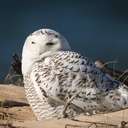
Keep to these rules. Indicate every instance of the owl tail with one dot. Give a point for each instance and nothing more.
(117, 99)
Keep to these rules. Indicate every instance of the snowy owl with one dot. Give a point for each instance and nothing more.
(61, 82)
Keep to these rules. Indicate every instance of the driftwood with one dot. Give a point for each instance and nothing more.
(11, 103)
(118, 75)
(14, 75)
(16, 64)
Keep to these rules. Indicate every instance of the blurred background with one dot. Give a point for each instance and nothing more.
(96, 28)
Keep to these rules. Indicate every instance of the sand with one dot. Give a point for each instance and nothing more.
(23, 117)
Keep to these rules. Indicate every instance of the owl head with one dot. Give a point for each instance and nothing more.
(41, 42)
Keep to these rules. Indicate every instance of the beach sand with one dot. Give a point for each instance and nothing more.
(23, 117)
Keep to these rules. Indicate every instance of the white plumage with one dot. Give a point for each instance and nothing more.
(53, 75)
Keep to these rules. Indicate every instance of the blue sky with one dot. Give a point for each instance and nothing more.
(96, 28)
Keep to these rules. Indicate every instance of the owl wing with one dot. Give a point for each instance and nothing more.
(66, 74)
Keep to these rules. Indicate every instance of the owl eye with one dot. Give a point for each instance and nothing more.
(56, 36)
(33, 42)
(49, 43)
